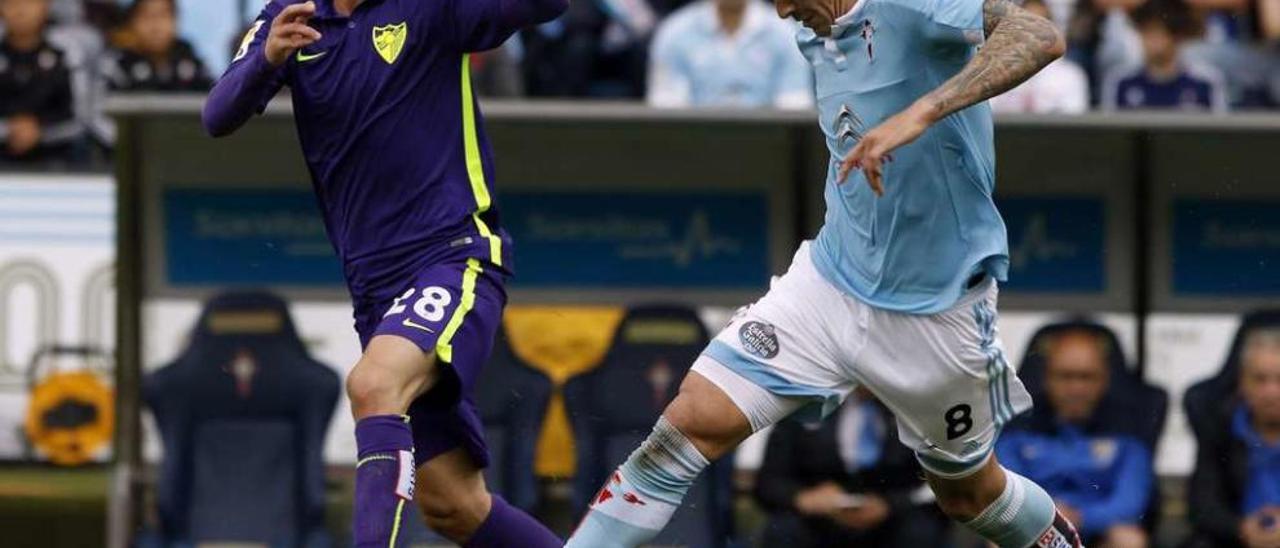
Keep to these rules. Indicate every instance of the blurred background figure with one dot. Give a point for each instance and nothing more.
(38, 119)
(150, 56)
(1165, 80)
(846, 482)
(1061, 88)
(1235, 489)
(1101, 480)
(727, 53)
(1233, 42)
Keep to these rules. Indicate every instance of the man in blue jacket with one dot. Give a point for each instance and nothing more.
(1101, 481)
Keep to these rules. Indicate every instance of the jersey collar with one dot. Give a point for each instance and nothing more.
(848, 20)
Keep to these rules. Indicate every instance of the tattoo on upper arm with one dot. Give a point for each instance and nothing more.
(1018, 45)
(992, 12)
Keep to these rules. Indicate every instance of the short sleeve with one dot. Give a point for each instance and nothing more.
(955, 21)
(669, 84)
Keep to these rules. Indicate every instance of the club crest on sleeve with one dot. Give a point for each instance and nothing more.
(247, 41)
(389, 41)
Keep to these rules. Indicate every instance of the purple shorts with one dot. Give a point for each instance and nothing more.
(452, 311)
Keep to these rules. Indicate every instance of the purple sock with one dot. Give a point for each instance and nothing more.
(384, 479)
(509, 527)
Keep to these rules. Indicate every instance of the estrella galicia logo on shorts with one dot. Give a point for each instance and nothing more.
(759, 339)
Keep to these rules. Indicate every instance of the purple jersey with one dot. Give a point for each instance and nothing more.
(389, 127)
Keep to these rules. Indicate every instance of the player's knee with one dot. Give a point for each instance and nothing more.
(707, 417)
(456, 516)
(965, 498)
(377, 388)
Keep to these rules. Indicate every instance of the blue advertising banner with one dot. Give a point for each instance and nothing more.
(246, 237)
(1056, 244)
(1226, 247)
(639, 239)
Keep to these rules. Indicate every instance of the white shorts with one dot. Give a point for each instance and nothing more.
(806, 345)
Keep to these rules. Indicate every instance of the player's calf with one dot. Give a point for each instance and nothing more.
(391, 374)
(456, 503)
(639, 498)
(1003, 507)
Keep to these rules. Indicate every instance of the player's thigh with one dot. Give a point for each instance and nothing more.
(442, 305)
(390, 374)
(451, 492)
(946, 379)
(780, 355)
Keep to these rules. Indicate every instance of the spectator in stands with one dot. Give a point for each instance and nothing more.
(727, 53)
(151, 57)
(846, 482)
(38, 119)
(1232, 44)
(1102, 483)
(596, 49)
(1100, 38)
(1235, 489)
(1061, 88)
(1165, 81)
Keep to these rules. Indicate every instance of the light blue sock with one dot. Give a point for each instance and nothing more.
(640, 497)
(1023, 516)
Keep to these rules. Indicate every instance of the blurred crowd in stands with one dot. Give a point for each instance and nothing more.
(60, 58)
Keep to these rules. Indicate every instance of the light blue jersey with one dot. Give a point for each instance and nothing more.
(913, 249)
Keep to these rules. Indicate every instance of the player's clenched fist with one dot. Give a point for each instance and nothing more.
(289, 32)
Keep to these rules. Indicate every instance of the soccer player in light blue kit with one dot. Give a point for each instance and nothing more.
(898, 291)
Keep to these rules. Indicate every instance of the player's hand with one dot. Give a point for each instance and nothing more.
(24, 134)
(290, 33)
(874, 149)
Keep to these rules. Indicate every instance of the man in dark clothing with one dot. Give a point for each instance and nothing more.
(845, 482)
(37, 105)
(1235, 490)
(155, 59)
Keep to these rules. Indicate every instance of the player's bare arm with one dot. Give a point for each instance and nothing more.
(1018, 45)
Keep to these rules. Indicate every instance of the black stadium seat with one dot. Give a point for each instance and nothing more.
(1131, 406)
(613, 408)
(242, 414)
(1209, 402)
(513, 399)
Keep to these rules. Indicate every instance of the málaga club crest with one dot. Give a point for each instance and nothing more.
(389, 41)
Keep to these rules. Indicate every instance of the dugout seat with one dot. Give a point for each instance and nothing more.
(1210, 402)
(613, 408)
(513, 399)
(1131, 407)
(242, 414)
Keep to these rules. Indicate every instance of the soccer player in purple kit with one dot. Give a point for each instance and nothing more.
(404, 175)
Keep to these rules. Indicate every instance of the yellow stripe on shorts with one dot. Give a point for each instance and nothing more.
(475, 165)
(444, 346)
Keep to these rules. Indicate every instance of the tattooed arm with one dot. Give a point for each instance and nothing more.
(1018, 45)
